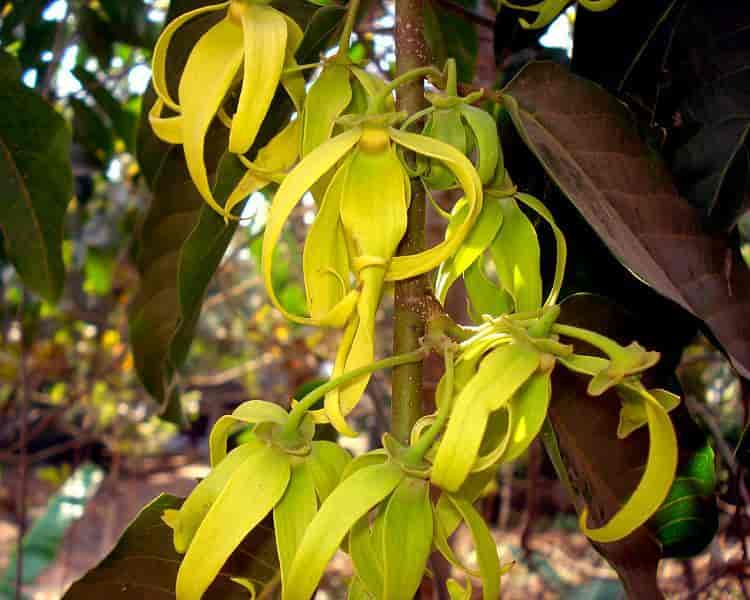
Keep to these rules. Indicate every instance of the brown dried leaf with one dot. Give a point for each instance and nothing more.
(589, 145)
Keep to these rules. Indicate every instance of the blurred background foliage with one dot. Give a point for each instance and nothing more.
(89, 418)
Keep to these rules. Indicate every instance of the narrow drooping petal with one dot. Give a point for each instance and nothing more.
(517, 257)
(326, 100)
(325, 259)
(200, 500)
(327, 463)
(264, 43)
(489, 563)
(561, 246)
(527, 412)
(293, 514)
(168, 129)
(210, 70)
(403, 267)
(349, 502)
(306, 173)
(486, 140)
(481, 236)
(406, 538)
(655, 483)
(262, 477)
(161, 48)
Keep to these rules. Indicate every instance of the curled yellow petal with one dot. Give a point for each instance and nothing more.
(298, 181)
(403, 267)
(264, 39)
(653, 487)
(159, 62)
(210, 70)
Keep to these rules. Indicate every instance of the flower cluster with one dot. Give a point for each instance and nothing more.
(359, 158)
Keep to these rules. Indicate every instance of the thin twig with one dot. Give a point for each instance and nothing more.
(23, 463)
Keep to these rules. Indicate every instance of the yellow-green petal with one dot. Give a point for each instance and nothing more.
(297, 182)
(527, 412)
(210, 70)
(327, 462)
(633, 411)
(481, 236)
(161, 48)
(403, 267)
(325, 258)
(293, 514)
(655, 483)
(326, 99)
(486, 140)
(168, 129)
(264, 40)
(406, 538)
(489, 563)
(190, 515)
(263, 477)
(349, 502)
(517, 257)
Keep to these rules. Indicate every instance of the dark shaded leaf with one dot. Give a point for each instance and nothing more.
(10, 68)
(36, 184)
(122, 120)
(200, 257)
(155, 313)
(588, 143)
(128, 22)
(323, 24)
(144, 563)
(449, 35)
(91, 132)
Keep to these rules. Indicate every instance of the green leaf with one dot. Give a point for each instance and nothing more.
(91, 132)
(144, 563)
(449, 35)
(36, 184)
(99, 269)
(162, 315)
(10, 68)
(44, 540)
(589, 144)
(323, 24)
(122, 120)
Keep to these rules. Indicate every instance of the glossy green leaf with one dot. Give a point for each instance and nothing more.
(36, 184)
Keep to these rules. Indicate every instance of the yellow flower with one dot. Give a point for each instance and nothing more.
(253, 41)
(349, 250)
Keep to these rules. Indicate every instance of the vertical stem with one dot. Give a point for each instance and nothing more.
(22, 400)
(406, 408)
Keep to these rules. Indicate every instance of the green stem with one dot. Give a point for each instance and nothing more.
(346, 32)
(451, 77)
(409, 319)
(378, 102)
(415, 454)
(603, 343)
(301, 408)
